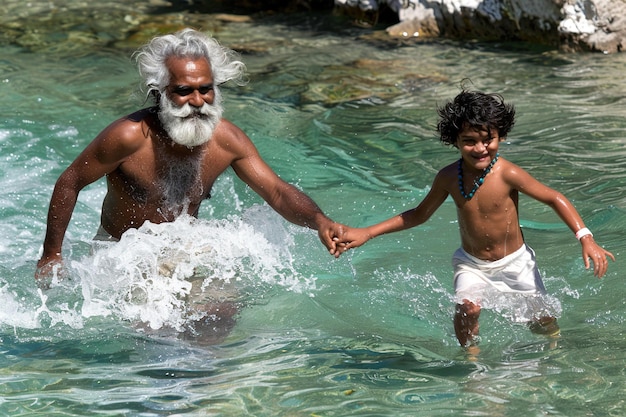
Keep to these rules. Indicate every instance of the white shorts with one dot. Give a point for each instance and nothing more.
(515, 273)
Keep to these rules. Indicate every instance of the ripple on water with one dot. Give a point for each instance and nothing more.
(354, 124)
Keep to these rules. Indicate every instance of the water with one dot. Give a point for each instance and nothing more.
(350, 120)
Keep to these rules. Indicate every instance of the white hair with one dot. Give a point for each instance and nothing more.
(187, 43)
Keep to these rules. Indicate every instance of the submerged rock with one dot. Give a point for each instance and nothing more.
(366, 79)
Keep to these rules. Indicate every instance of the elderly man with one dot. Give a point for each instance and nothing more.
(161, 162)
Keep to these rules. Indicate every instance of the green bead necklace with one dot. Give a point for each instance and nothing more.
(477, 182)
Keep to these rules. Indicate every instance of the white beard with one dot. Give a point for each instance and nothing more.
(190, 126)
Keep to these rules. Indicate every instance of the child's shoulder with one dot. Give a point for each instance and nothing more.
(508, 166)
(449, 171)
(451, 168)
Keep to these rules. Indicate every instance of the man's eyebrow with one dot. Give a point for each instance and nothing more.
(188, 87)
(185, 90)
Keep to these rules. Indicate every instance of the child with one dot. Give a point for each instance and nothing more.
(485, 188)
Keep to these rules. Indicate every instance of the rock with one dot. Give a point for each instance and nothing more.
(367, 79)
(599, 27)
(233, 18)
(575, 25)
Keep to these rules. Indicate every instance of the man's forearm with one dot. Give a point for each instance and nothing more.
(300, 209)
(62, 205)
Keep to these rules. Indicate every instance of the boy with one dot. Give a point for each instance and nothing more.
(485, 189)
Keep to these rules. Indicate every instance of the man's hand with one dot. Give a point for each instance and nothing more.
(329, 233)
(49, 268)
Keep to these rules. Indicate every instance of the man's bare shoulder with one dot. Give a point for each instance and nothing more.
(125, 136)
(230, 137)
(144, 119)
(226, 130)
(141, 115)
(131, 129)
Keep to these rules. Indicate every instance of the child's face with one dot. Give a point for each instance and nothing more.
(478, 145)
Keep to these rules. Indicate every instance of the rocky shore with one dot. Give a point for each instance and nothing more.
(573, 25)
(570, 25)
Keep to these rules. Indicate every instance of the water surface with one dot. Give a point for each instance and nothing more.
(350, 120)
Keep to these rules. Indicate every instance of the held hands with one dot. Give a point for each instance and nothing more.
(338, 238)
(350, 238)
(597, 254)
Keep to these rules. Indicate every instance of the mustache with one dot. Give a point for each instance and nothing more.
(186, 110)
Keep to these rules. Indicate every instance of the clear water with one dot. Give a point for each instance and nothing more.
(369, 334)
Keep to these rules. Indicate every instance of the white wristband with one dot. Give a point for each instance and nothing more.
(583, 232)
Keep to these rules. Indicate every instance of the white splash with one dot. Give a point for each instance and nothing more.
(149, 276)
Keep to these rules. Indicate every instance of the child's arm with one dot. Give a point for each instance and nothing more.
(525, 183)
(354, 237)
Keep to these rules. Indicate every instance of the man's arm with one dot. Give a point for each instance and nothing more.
(62, 205)
(291, 203)
(100, 157)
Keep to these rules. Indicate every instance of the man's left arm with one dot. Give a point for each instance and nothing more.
(291, 203)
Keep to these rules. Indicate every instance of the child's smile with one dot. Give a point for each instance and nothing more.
(478, 146)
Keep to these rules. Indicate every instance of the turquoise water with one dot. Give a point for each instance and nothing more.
(351, 121)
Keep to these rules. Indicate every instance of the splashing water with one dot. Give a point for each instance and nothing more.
(369, 334)
(149, 276)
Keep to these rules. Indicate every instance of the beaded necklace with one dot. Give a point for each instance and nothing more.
(477, 182)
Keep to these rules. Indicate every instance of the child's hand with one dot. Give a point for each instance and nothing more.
(597, 254)
(351, 238)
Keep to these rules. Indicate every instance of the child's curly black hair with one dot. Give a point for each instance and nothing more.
(477, 110)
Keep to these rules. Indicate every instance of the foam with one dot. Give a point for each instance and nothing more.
(146, 278)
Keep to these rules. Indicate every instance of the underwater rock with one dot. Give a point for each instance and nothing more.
(366, 79)
(78, 27)
(576, 25)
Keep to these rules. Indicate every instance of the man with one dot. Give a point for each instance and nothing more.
(161, 162)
